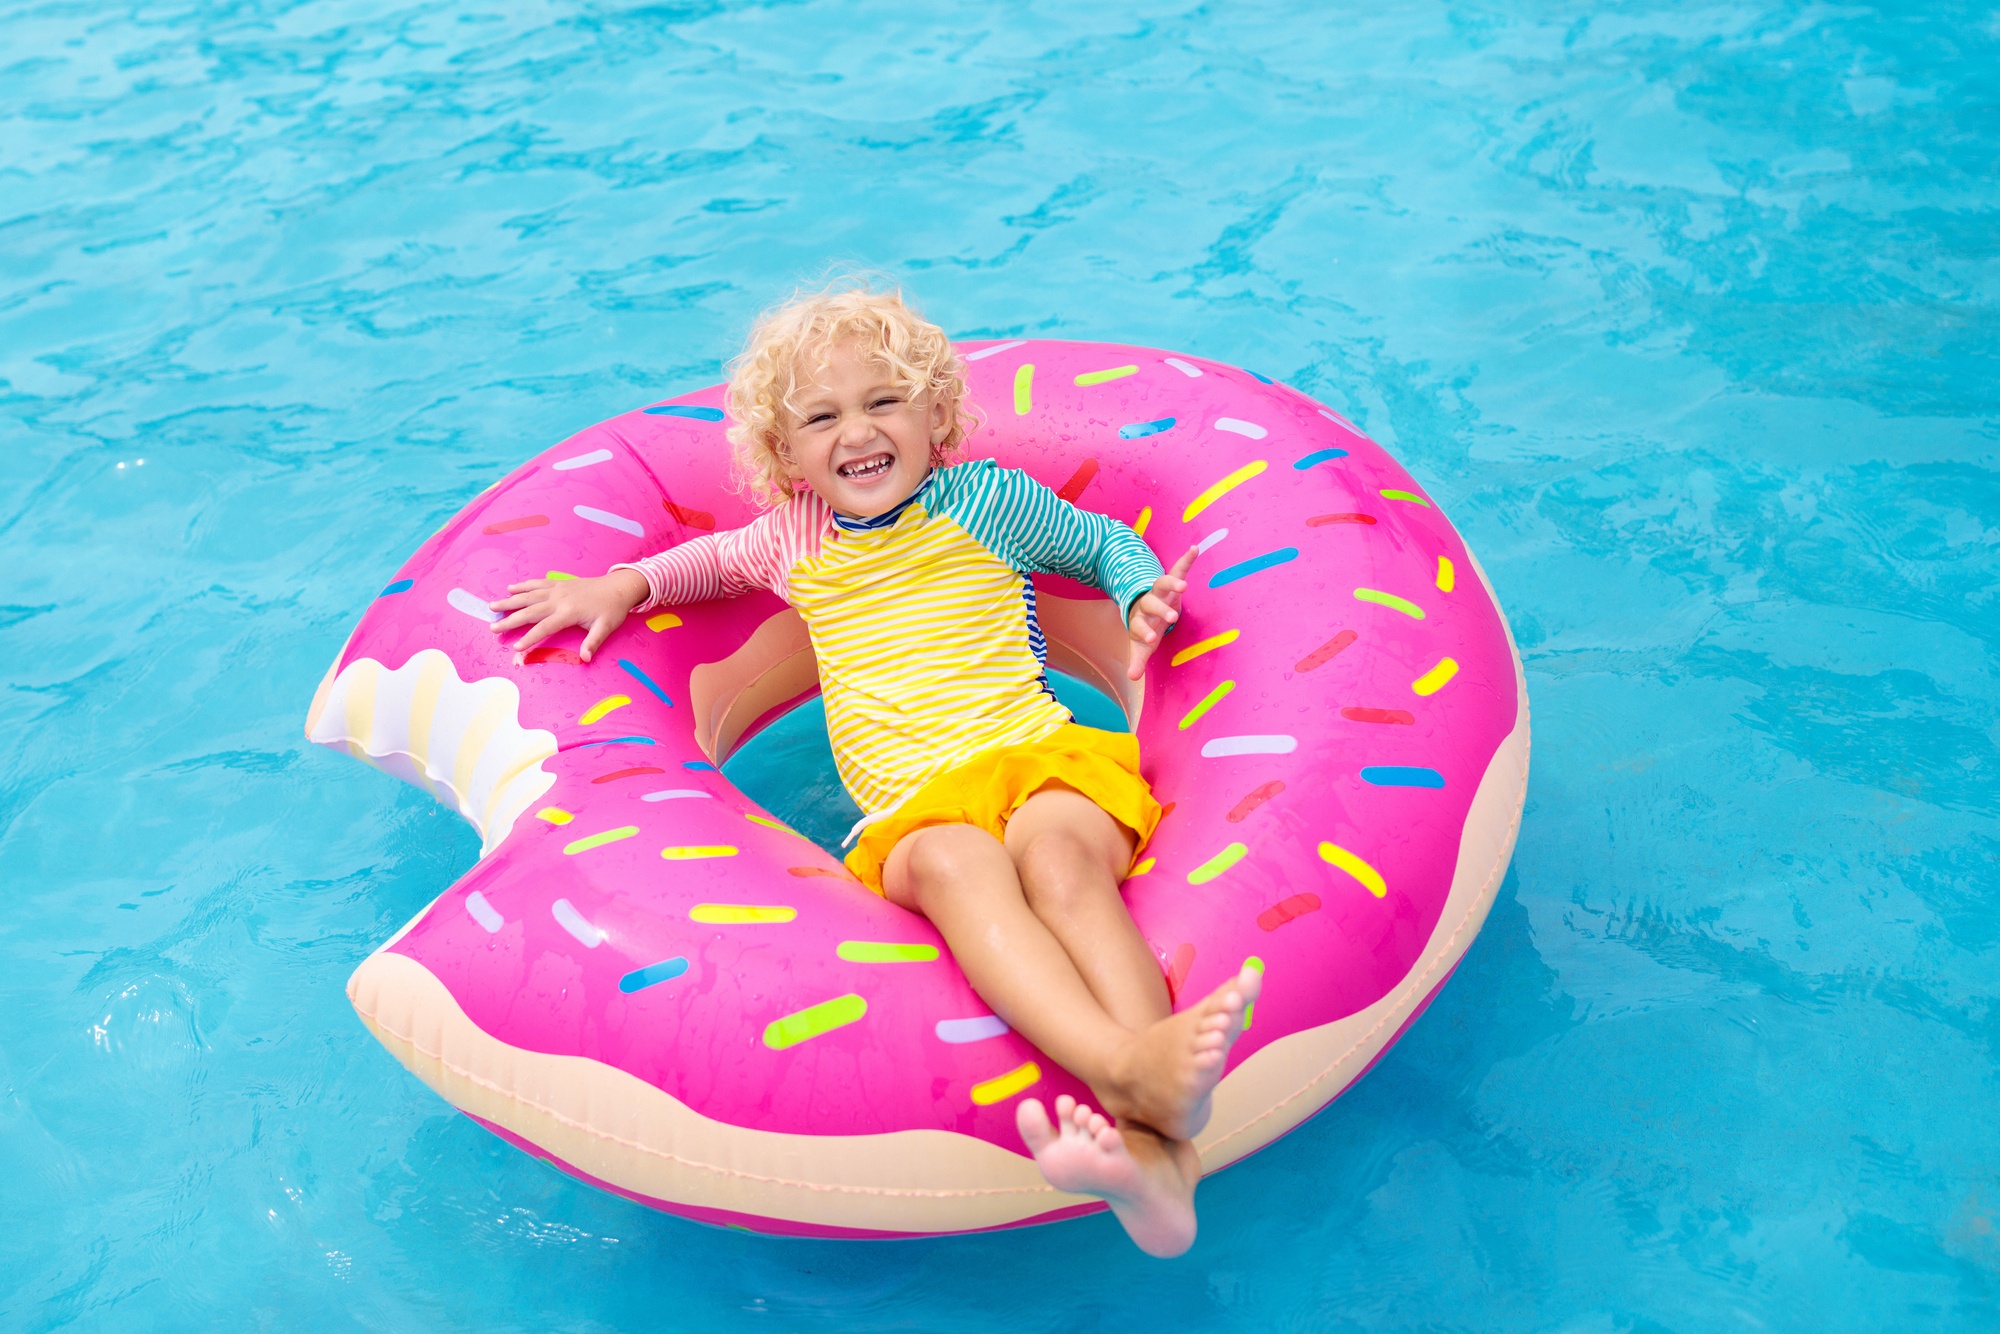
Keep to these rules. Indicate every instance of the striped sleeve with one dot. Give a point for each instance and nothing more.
(1034, 529)
(727, 564)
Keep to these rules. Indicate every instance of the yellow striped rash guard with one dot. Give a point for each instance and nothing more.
(923, 618)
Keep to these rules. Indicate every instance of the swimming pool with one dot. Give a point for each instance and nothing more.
(1687, 315)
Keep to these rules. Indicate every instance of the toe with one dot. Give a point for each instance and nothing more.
(1032, 1120)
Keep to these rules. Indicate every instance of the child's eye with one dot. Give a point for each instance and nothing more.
(887, 401)
(819, 417)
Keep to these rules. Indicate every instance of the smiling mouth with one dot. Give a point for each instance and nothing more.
(862, 470)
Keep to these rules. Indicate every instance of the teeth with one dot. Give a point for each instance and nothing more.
(866, 469)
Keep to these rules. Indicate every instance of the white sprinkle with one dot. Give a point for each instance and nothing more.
(1188, 369)
(675, 794)
(472, 605)
(582, 460)
(996, 349)
(1251, 429)
(1249, 745)
(610, 520)
(971, 1030)
(1201, 547)
(483, 912)
(572, 921)
(1333, 416)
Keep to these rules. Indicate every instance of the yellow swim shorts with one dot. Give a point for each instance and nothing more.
(987, 789)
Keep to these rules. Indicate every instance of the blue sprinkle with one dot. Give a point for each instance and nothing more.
(1261, 379)
(645, 680)
(1140, 430)
(683, 410)
(652, 975)
(1397, 775)
(699, 766)
(1249, 567)
(400, 586)
(619, 741)
(1319, 456)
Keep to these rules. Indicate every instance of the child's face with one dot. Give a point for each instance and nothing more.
(858, 438)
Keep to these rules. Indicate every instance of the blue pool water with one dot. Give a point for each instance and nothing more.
(1687, 313)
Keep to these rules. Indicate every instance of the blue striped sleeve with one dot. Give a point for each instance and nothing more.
(1036, 531)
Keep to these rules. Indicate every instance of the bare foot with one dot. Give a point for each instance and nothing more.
(1151, 1190)
(1165, 1078)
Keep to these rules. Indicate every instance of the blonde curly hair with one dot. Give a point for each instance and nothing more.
(764, 378)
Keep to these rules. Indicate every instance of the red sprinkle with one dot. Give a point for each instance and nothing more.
(1254, 800)
(819, 870)
(1078, 480)
(701, 519)
(617, 774)
(510, 525)
(1322, 520)
(1324, 654)
(1177, 971)
(1285, 910)
(543, 653)
(1377, 716)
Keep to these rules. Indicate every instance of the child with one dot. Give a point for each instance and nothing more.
(989, 810)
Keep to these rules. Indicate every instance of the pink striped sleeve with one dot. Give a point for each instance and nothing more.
(758, 555)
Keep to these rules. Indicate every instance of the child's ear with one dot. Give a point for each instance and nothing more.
(940, 419)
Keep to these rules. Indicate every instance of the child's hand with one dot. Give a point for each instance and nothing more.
(549, 605)
(1155, 611)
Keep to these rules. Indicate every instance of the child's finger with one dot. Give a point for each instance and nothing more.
(600, 630)
(543, 628)
(529, 585)
(515, 602)
(1185, 563)
(526, 616)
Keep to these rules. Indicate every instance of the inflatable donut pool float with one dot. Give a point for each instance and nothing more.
(662, 989)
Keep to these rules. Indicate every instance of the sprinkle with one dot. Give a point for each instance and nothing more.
(1260, 379)
(483, 912)
(698, 766)
(1244, 569)
(1140, 869)
(1002, 1087)
(602, 707)
(676, 794)
(515, 525)
(1326, 652)
(472, 605)
(401, 586)
(1250, 803)
(652, 975)
(1209, 645)
(1322, 520)
(819, 871)
(619, 741)
(693, 518)
(1179, 967)
(666, 620)
(1399, 775)
(971, 1030)
(1024, 384)
(555, 815)
(1237, 426)
(1217, 864)
(1221, 488)
(1434, 680)
(638, 674)
(1319, 456)
(740, 914)
(1253, 962)
(1089, 378)
(1078, 480)
(1213, 698)
(599, 840)
(574, 922)
(1333, 416)
(1145, 517)
(1201, 547)
(1191, 371)
(637, 771)
(558, 575)
(1354, 866)
(697, 852)
(1446, 576)
(542, 653)
(1286, 910)
(1359, 715)
(1140, 430)
(1389, 600)
(995, 350)
(1410, 496)
(687, 410)
(582, 460)
(882, 951)
(769, 823)
(814, 1021)
(1224, 746)
(609, 520)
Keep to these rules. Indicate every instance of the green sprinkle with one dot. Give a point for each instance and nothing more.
(1105, 377)
(1024, 384)
(1217, 864)
(599, 840)
(1389, 600)
(811, 1022)
(881, 951)
(1410, 496)
(1214, 697)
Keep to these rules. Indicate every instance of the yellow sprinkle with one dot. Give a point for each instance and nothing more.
(1145, 517)
(589, 841)
(602, 707)
(558, 575)
(697, 852)
(883, 951)
(1446, 576)
(1354, 866)
(554, 815)
(1140, 869)
(1002, 1087)
(1024, 383)
(1221, 489)
(1252, 962)
(1089, 378)
(1434, 680)
(1209, 645)
(1193, 715)
(769, 823)
(739, 914)
(1219, 863)
(666, 620)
